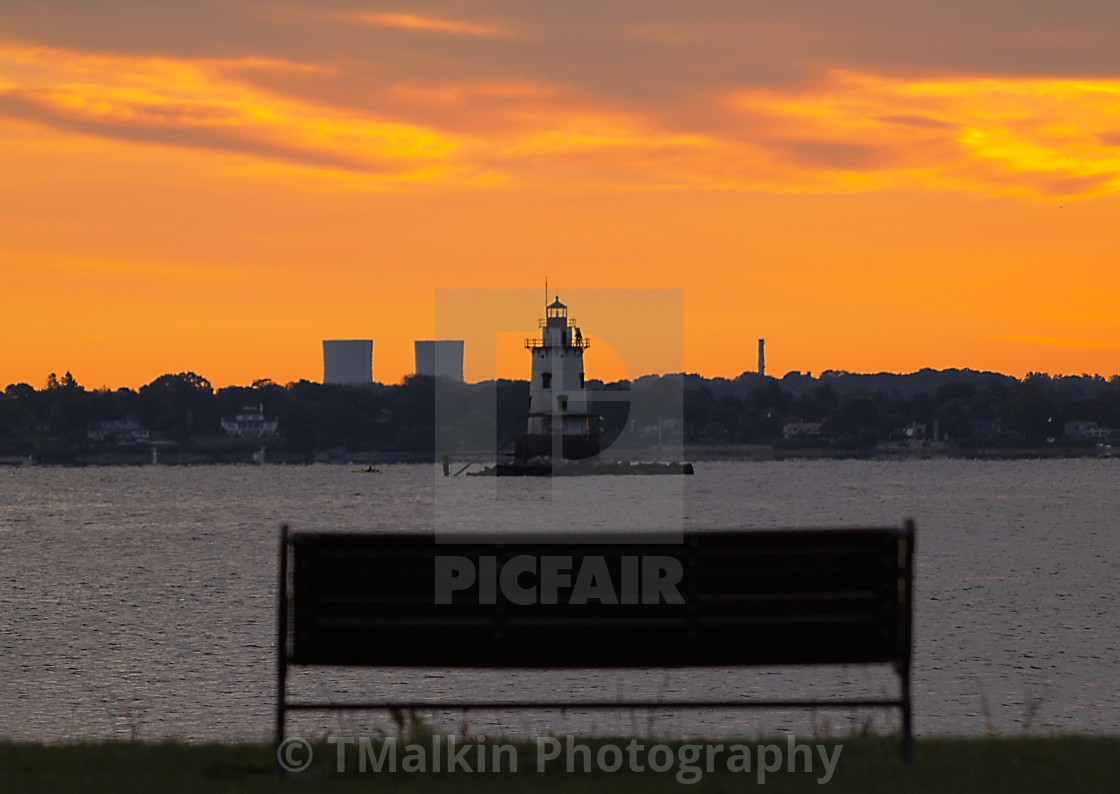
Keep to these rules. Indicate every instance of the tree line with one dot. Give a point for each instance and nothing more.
(960, 407)
(423, 416)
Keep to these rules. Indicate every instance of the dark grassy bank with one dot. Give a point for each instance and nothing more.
(865, 764)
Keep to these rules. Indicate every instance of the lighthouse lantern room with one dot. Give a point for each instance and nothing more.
(558, 424)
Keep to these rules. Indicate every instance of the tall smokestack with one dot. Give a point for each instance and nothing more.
(762, 357)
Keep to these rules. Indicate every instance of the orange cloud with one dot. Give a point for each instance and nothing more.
(847, 132)
(197, 104)
(428, 24)
(1033, 137)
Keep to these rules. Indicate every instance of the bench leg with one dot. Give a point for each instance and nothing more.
(278, 738)
(281, 653)
(907, 727)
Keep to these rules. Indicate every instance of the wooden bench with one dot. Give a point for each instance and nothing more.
(697, 599)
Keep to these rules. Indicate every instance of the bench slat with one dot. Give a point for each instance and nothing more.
(801, 596)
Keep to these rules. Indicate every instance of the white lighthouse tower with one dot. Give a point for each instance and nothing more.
(558, 424)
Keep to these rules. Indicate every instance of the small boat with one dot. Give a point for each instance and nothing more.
(366, 470)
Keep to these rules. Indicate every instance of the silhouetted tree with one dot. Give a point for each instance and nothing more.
(179, 405)
(1031, 413)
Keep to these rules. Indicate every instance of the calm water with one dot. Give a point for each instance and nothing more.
(142, 599)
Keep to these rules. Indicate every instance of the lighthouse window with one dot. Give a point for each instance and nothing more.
(546, 380)
(581, 380)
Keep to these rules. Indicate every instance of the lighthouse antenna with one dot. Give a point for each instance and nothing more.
(546, 291)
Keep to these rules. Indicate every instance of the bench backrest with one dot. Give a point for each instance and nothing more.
(745, 598)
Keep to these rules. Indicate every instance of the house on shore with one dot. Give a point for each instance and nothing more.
(250, 422)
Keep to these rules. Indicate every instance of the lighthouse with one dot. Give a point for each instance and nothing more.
(558, 424)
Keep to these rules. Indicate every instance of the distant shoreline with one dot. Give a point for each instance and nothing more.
(693, 453)
(748, 452)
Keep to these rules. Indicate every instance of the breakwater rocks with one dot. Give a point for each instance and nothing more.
(543, 467)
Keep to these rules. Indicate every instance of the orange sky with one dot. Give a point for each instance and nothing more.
(869, 186)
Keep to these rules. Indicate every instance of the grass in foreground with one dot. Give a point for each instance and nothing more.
(865, 764)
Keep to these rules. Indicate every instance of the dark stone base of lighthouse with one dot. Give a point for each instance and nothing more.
(573, 436)
(538, 446)
(535, 452)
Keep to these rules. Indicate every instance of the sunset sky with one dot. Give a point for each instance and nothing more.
(869, 185)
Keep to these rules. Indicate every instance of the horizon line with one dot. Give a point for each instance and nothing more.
(822, 375)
